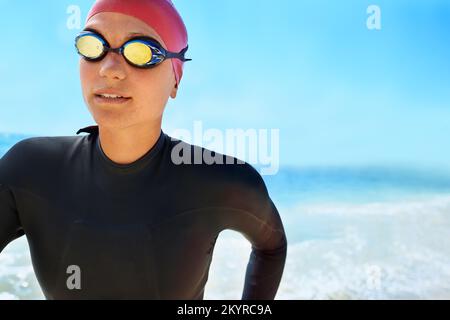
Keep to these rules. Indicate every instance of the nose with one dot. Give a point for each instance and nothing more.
(113, 67)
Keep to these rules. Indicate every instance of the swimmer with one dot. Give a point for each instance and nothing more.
(111, 201)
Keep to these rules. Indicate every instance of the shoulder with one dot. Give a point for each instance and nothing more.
(232, 182)
(31, 154)
(36, 147)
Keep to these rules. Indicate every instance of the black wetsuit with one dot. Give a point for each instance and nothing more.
(145, 230)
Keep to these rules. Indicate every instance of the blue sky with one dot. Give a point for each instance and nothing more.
(339, 93)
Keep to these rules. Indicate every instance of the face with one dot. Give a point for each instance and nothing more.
(146, 90)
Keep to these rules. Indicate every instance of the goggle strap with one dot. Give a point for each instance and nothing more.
(179, 55)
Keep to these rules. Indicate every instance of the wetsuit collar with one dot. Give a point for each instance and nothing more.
(124, 167)
(89, 129)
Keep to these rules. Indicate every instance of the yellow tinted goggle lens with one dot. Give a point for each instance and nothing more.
(90, 46)
(138, 53)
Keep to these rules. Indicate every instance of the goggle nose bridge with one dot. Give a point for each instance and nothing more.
(115, 50)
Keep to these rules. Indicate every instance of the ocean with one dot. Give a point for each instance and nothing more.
(353, 233)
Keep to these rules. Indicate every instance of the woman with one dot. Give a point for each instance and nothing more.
(113, 214)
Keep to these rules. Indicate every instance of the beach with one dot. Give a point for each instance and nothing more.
(352, 233)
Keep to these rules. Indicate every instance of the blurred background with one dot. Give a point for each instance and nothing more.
(360, 93)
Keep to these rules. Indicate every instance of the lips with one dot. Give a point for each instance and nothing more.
(110, 97)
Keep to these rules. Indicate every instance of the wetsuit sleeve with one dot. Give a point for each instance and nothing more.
(10, 227)
(267, 259)
(262, 226)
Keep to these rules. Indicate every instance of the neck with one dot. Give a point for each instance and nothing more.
(126, 145)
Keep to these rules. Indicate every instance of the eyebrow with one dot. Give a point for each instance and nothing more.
(131, 34)
(92, 30)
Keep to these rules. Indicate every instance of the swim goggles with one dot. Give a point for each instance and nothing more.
(140, 52)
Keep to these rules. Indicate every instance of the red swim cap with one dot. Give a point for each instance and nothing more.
(161, 15)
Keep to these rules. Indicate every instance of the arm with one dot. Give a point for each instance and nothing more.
(267, 259)
(259, 221)
(10, 228)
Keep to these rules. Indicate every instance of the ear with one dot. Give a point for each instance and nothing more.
(173, 94)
